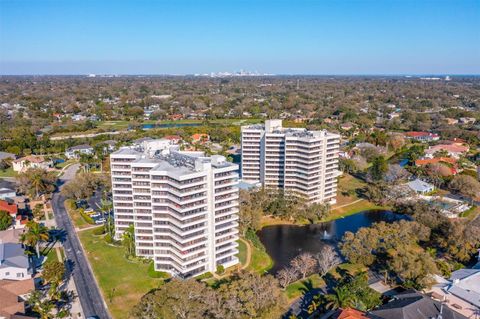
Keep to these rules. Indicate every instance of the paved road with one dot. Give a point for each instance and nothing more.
(87, 289)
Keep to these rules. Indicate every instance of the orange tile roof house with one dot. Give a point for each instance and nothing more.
(453, 150)
(350, 313)
(199, 138)
(12, 209)
(436, 160)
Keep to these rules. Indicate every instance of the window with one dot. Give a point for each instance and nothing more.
(19, 274)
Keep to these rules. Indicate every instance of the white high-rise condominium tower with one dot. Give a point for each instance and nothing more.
(183, 205)
(297, 160)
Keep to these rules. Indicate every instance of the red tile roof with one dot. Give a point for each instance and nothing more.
(350, 313)
(10, 208)
(435, 160)
(420, 134)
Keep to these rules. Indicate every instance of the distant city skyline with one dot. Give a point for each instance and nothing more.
(351, 37)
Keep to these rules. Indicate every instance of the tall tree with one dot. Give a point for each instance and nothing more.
(34, 235)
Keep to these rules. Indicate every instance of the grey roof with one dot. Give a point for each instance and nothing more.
(466, 285)
(79, 147)
(141, 140)
(5, 155)
(12, 255)
(420, 186)
(413, 305)
(6, 190)
(127, 151)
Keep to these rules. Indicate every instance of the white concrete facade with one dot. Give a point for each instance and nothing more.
(184, 208)
(293, 159)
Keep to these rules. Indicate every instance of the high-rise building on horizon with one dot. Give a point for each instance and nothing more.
(295, 160)
(183, 205)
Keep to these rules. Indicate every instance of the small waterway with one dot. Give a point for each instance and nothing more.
(285, 242)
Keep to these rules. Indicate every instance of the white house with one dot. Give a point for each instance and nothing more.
(75, 151)
(420, 187)
(14, 264)
(32, 161)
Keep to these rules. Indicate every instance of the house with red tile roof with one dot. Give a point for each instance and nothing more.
(12, 209)
(439, 160)
(200, 138)
(348, 313)
(453, 150)
(176, 117)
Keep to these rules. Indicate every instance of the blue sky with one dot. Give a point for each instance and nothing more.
(281, 37)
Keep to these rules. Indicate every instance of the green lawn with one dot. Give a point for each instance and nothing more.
(9, 172)
(260, 262)
(77, 219)
(471, 213)
(130, 280)
(242, 251)
(51, 256)
(352, 209)
(299, 287)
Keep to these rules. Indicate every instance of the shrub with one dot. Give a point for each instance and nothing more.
(204, 276)
(108, 239)
(152, 273)
(99, 231)
(251, 235)
(220, 269)
(86, 217)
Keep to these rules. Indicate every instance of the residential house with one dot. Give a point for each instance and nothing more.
(32, 161)
(420, 187)
(200, 138)
(7, 193)
(348, 313)
(14, 264)
(176, 117)
(422, 136)
(78, 117)
(451, 121)
(346, 126)
(10, 208)
(13, 294)
(466, 120)
(461, 291)
(414, 305)
(451, 163)
(76, 151)
(453, 150)
(174, 139)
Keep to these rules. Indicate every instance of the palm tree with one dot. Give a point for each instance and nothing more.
(41, 306)
(37, 182)
(35, 234)
(128, 240)
(106, 207)
(341, 298)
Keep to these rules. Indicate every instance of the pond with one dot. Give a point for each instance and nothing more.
(284, 242)
(168, 125)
